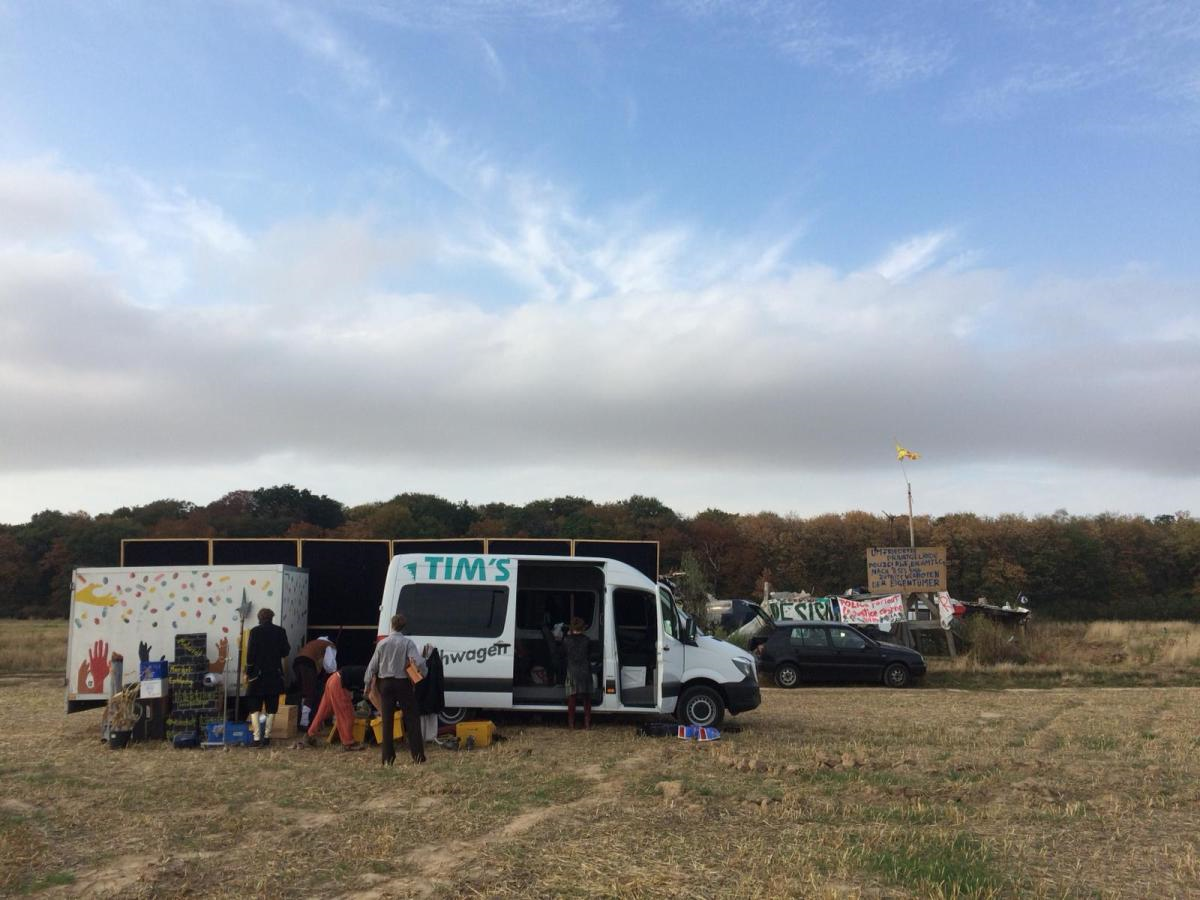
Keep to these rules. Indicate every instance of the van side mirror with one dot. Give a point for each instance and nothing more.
(689, 631)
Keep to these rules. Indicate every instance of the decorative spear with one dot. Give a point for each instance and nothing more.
(243, 612)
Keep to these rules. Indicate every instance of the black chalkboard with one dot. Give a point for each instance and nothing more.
(191, 647)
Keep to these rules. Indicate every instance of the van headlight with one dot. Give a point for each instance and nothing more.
(745, 665)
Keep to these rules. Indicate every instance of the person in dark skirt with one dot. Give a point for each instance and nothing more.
(579, 673)
(266, 650)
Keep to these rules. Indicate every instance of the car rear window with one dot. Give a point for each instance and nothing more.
(809, 637)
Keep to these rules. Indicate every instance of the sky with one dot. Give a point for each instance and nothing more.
(725, 253)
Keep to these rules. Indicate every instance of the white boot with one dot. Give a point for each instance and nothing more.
(305, 713)
(256, 726)
(270, 720)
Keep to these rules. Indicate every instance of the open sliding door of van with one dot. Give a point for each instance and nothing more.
(550, 594)
(671, 654)
(637, 630)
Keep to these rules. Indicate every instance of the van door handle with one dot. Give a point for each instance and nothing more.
(666, 649)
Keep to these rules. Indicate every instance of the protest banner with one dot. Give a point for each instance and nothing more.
(876, 611)
(906, 569)
(806, 609)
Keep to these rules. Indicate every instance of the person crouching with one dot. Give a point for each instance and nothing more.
(337, 701)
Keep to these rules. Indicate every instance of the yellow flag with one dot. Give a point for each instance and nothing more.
(903, 454)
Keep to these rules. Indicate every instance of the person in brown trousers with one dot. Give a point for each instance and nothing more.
(316, 656)
(387, 673)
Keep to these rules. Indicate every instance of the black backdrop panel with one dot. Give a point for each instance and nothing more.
(642, 555)
(354, 646)
(234, 552)
(458, 545)
(523, 547)
(164, 553)
(345, 581)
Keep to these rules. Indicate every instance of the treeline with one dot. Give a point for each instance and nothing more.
(1107, 566)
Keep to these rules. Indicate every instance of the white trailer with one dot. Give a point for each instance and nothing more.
(138, 611)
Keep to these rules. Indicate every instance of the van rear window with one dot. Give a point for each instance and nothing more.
(453, 609)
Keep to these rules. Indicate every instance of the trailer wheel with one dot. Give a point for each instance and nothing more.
(452, 715)
(701, 705)
(896, 675)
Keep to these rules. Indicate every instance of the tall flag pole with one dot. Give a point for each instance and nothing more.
(901, 455)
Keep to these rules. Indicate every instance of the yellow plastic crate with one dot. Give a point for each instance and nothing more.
(358, 730)
(482, 730)
(397, 727)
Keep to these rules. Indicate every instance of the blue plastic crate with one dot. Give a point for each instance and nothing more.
(238, 733)
(231, 733)
(149, 671)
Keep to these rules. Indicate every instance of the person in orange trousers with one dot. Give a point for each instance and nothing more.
(336, 702)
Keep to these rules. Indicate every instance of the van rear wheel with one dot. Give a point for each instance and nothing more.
(701, 705)
(452, 715)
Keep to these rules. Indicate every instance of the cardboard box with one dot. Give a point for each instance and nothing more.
(286, 722)
(482, 731)
(153, 689)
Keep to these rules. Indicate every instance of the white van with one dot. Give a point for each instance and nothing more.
(497, 622)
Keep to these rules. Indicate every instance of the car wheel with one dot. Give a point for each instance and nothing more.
(701, 705)
(896, 675)
(787, 676)
(452, 715)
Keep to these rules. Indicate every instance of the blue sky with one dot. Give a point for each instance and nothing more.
(717, 252)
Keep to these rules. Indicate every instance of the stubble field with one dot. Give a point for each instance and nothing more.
(823, 792)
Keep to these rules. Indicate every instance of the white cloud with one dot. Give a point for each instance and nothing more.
(913, 255)
(39, 199)
(631, 352)
(880, 49)
(317, 37)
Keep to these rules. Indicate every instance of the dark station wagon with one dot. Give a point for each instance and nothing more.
(832, 652)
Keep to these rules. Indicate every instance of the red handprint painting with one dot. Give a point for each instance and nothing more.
(93, 670)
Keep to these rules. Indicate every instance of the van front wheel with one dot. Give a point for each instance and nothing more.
(701, 705)
(452, 715)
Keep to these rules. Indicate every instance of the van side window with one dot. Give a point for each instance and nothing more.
(456, 610)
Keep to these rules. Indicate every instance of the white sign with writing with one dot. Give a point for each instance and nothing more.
(878, 611)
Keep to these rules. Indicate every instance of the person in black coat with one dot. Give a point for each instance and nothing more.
(266, 650)
(430, 690)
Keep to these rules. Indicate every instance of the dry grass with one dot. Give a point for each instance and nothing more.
(1094, 653)
(33, 645)
(847, 792)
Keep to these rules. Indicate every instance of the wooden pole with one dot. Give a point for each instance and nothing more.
(912, 541)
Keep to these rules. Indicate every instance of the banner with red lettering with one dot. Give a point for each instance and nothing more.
(872, 612)
(946, 607)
